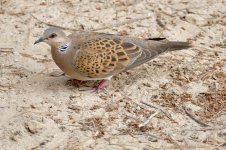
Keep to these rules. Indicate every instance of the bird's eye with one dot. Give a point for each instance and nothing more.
(53, 35)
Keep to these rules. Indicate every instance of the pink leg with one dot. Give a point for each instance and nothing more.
(99, 85)
(75, 82)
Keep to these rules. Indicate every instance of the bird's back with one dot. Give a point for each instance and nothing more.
(149, 48)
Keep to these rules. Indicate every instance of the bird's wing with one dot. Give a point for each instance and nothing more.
(105, 56)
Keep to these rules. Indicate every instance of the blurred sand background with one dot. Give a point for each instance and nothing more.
(176, 101)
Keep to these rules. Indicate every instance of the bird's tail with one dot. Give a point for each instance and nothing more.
(173, 45)
(154, 47)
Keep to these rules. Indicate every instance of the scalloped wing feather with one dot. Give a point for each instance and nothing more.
(103, 57)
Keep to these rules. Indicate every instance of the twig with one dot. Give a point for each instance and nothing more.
(150, 137)
(3, 90)
(97, 29)
(174, 142)
(162, 12)
(168, 138)
(199, 57)
(28, 33)
(159, 12)
(194, 118)
(157, 107)
(149, 119)
(40, 60)
(53, 25)
(6, 50)
(209, 72)
(122, 23)
(205, 129)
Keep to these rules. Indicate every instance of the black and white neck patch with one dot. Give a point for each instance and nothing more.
(63, 48)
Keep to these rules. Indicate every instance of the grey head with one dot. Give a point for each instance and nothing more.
(53, 36)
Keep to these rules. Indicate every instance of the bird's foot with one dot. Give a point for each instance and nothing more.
(99, 85)
(75, 82)
(96, 88)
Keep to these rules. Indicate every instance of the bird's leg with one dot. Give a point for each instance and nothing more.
(99, 85)
(75, 82)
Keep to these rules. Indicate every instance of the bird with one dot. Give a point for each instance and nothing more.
(87, 55)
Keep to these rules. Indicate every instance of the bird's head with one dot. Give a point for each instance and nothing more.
(52, 36)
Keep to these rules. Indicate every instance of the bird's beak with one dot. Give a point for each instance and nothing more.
(41, 39)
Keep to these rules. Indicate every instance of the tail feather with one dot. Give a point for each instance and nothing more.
(178, 45)
(156, 47)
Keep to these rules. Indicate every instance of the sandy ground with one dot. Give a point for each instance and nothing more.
(176, 101)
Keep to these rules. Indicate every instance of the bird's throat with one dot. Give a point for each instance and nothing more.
(63, 47)
(61, 59)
